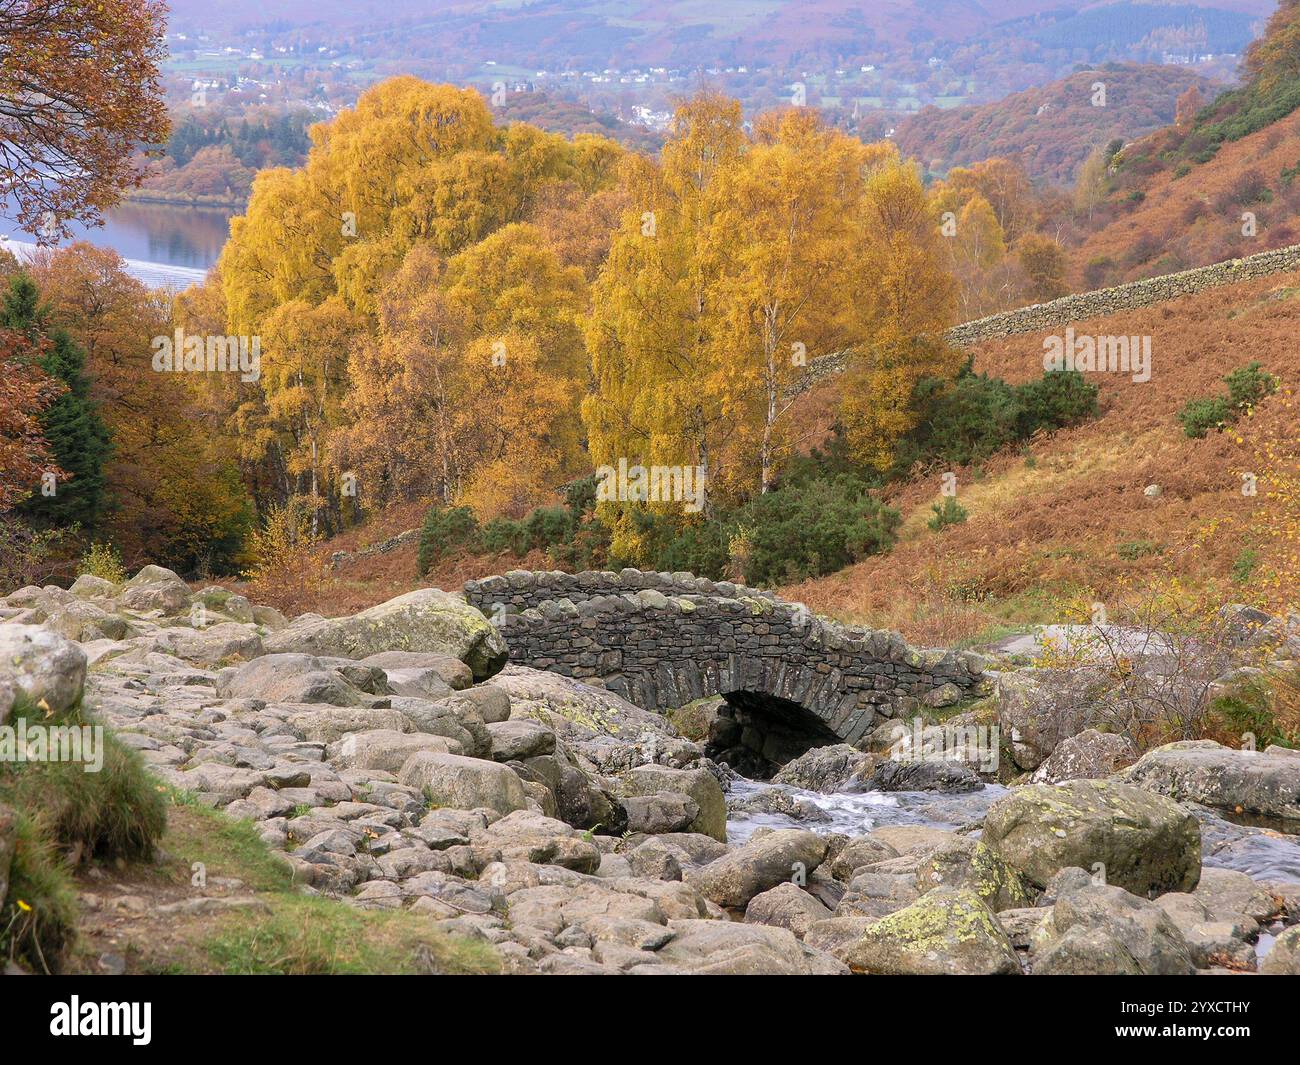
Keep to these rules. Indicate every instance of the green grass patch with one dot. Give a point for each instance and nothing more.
(65, 815)
(306, 936)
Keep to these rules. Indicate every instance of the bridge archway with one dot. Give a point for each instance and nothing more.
(789, 679)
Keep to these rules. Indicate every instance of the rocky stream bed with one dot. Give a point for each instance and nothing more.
(398, 762)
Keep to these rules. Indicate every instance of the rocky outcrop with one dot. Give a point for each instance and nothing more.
(1088, 756)
(39, 666)
(576, 832)
(427, 620)
(1264, 783)
(1132, 838)
(946, 932)
(1039, 708)
(1103, 929)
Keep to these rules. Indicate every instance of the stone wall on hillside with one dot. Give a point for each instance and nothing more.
(1104, 301)
(1069, 310)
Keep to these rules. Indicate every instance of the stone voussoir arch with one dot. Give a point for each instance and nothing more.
(791, 679)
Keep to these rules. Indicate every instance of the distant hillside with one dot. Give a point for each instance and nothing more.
(1221, 183)
(959, 48)
(1051, 129)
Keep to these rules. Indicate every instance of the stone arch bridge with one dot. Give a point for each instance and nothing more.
(790, 680)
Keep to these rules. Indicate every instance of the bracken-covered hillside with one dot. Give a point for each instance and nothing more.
(1051, 129)
(1069, 517)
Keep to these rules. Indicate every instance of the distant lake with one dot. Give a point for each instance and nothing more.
(170, 234)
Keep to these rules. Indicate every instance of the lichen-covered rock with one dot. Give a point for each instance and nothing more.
(427, 619)
(1144, 842)
(1088, 756)
(1265, 783)
(968, 863)
(1038, 708)
(577, 712)
(1103, 929)
(947, 931)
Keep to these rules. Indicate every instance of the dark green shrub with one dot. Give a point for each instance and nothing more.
(1199, 416)
(972, 419)
(1055, 400)
(505, 534)
(949, 512)
(446, 530)
(1249, 384)
(700, 546)
(809, 530)
(546, 526)
(976, 415)
(588, 548)
(1244, 565)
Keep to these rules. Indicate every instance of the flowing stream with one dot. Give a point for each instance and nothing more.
(1260, 853)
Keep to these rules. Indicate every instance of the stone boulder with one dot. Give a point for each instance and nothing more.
(786, 906)
(464, 783)
(783, 856)
(1088, 756)
(212, 645)
(1265, 783)
(451, 671)
(450, 717)
(728, 948)
(923, 775)
(326, 724)
(823, 769)
(532, 837)
(385, 749)
(517, 740)
(662, 811)
(1284, 957)
(945, 932)
(699, 784)
(968, 863)
(1101, 929)
(857, 853)
(1038, 708)
(42, 666)
(576, 711)
(290, 678)
(155, 588)
(1145, 842)
(427, 619)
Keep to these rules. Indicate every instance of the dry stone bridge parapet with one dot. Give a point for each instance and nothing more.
(790, 679)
